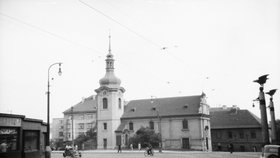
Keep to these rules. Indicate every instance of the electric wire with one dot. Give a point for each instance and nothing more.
(49, 33)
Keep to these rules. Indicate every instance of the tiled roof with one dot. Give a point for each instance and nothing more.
(86, 105)
(233, 118)
(175, 106)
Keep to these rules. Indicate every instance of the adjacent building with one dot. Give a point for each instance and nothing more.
(233, 125)
(22, 137)
(79, 118)
(57, 129)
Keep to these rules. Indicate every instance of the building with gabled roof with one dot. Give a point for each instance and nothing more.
(84, 118)
(239, 127)
(183, 122)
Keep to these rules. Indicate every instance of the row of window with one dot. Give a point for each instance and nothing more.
(240, 135)
(105, 103)
(253, 135)
(151, 125)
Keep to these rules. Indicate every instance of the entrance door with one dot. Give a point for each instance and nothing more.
(186, 143)
(119, 140)
(105, 143)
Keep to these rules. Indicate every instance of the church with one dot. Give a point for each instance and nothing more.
(183, 122)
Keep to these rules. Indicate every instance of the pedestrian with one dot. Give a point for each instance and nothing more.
(219, 147)
(230, 148)
(119, 148)
(139, 146)
(131, 146)
(3, 146)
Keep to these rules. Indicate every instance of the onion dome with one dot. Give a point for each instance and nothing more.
(109, 78)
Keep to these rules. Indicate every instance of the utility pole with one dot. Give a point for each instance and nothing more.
(72, 117)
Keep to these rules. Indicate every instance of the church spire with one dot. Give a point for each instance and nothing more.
(109, 42)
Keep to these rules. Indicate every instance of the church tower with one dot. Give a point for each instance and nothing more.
(110, 105)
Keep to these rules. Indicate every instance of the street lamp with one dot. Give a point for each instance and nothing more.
(48, 149)
(159, 124)
(272, 115)
(261, 80)
(72, 118)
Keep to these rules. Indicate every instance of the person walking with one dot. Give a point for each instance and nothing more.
(131, 146)
(119, 148)
(139, 146)
(230, 148)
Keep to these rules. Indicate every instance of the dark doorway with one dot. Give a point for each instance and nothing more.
(186, 143)
(105, 143)
(118, 140)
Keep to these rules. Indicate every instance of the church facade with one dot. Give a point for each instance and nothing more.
(183, 122)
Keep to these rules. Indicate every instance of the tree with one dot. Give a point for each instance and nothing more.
(90, 135)
(145, 136)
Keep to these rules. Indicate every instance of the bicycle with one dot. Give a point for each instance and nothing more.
(149, 154)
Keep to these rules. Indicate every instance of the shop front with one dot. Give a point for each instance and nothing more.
(21, 137)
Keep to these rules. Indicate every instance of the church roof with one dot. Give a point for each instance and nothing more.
(86, 105)
(233, 118)
(175, 106)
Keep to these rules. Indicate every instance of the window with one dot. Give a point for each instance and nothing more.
(10, 137)
(31, 142)
(253, 135)
(89, 125)
(230, 134)
(60, 134)
(130, 126)
(105, 126)
(81, 117)
(151, 125)
(105, 103)
(89, 116)
(185, 124)
(81, 126)
(120, 103)
(241, 135)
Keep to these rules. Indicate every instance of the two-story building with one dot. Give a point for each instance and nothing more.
(233, 125)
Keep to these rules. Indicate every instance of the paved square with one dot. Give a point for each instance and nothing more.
(165, 154)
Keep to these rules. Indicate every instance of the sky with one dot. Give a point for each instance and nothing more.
(162, 48)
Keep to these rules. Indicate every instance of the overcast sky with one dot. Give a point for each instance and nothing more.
(163, 48)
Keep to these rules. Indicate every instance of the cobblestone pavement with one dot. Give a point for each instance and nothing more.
(164, 154)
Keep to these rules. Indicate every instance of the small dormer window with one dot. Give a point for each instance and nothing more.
(133, 109)
(185, 106)
(154, 109)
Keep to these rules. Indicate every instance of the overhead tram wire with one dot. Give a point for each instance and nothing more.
(58, 36)
(50, 33)
(122, 25)
(162, 48)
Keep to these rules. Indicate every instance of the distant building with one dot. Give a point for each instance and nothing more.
(84, 118)
(57, 129)
(239, 127)
(23, 137)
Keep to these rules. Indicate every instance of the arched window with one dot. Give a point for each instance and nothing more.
(105, 103)
(120, 103)
(151, 123)
(130, 126)
(185, 124)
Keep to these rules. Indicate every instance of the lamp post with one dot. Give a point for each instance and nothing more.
(272, 115)
(261, 80)
(159, 125)
(72, 119)
(48, 149)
